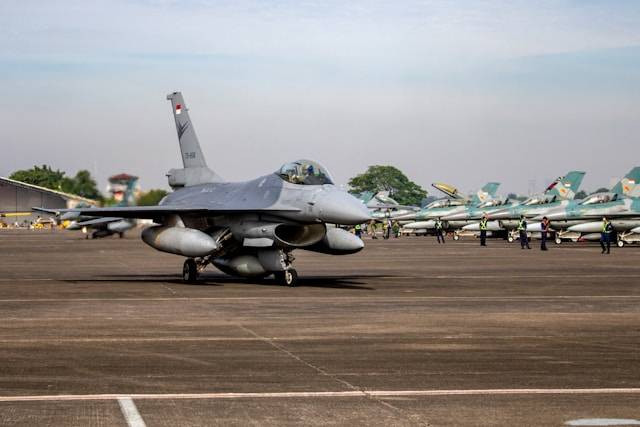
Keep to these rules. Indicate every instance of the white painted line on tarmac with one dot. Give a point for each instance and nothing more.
(130, 412)
(311, 394)
(337, 299)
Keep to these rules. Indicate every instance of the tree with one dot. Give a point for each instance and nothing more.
(41, 176)
(388, 178)
(82, 184)
(151, 197)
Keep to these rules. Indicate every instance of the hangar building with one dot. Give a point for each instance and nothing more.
(17, 198)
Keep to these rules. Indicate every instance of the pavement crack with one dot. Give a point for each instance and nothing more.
(413, 418)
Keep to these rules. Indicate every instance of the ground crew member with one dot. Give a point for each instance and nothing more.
(605, 236)
(396, 229)
(522, 230)
(358, 230)
(483, 230)
(385, 229)
(439, 232)
(372, 229)
(544, 225)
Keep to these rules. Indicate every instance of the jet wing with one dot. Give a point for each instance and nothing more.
(98, 221)
(153, 212)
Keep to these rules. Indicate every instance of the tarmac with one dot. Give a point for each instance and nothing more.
(406, 332)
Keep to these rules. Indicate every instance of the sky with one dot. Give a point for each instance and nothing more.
(463, 92)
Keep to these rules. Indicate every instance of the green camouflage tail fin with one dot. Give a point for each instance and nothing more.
(628, 185)
(485, 193)
(567, 186)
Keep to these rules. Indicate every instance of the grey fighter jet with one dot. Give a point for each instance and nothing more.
(246, 229)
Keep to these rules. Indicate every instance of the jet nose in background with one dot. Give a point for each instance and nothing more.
(456, 217)
(556, 216)
(340, 207)
(501, 214)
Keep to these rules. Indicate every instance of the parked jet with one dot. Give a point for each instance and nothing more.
(381, 206)
(105, 226)
(620, 203)
(246, 229)
(559, 193)
(424, 220)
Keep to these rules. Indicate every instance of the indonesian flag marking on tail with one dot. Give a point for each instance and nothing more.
(178, 109)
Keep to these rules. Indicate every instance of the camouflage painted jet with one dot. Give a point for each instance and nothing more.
(583, 219)
(247, 229)
(106, 226)
(381, 206)
(424, 220)
(559, 193)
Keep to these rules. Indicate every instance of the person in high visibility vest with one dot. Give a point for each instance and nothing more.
(544, 226)
(358, 230)
(483, 229)
(522, 230)
(605, 235)
(439, 232)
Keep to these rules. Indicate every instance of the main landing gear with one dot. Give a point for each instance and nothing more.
(288, 277)
(192, 268)
(190, 271)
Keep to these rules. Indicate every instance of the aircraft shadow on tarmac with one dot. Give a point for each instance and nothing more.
(341, 282)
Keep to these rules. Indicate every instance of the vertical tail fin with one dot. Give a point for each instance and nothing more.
(629, 185)
(567, 186)
(195, 169)
(192, 156)
(485, 193)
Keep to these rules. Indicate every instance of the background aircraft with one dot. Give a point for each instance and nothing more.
(424, 219)
(121, 187)
(583, 219)
(247, 229)
(505, 220)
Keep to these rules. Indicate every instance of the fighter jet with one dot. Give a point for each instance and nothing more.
(583, 219)
(424, 220)
(247, 229)
(107, 226)
(505, 220)
(381, 206)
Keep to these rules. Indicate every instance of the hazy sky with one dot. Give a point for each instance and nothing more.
(464, 92)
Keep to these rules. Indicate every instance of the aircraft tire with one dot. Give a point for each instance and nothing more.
(620, 243)
(510, 238)
(558, 240)
(190, 271)
(456, 237)
(287, 278)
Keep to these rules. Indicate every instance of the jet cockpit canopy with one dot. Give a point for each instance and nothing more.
(305, 172)
(599, 198)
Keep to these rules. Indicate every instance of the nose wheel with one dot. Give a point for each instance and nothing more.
(288, 277)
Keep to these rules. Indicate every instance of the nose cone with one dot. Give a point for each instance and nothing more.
(502, 214)
(556, 216)
(457, 216)
(340, 207)
(406, 216)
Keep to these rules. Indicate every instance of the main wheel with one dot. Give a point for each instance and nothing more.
(456, 236)
(510, 238)
(620, 243)
(288, 277)
(558, 240)
(190, 271)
